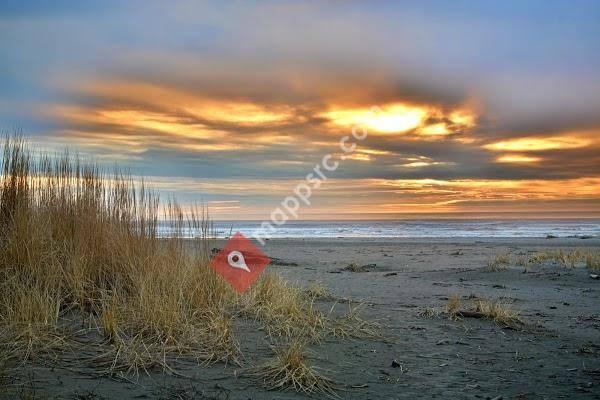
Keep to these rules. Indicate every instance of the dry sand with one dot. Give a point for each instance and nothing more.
(557, 355)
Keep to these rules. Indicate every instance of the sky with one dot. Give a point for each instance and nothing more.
(483, 106)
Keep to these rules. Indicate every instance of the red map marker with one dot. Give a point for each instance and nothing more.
(240, 262)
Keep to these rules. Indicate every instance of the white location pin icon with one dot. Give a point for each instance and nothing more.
(236, 260)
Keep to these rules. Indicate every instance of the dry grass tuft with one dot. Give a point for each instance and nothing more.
(289, 370)
(569, 258)
(494, 310)
(563, 258)
(592, 261)
(540, 257)
(499, 312)
(287, 311)
(129, 356)
(142, 353)
(354, 267)
(499, 262)
(453, 305)
(352, 325)
(33, 342)
(317, 291)
(284, 309)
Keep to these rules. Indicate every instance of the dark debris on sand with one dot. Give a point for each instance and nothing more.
(354, 267)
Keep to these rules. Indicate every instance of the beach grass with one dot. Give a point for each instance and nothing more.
(79, 244)
(499, 311)
(353, 325)
(499, 262)
(318, 291)
(4, 356)
(566, 258)
(563, 258)
(289, 369)
(284, 309)
(592, 261)
(76, 240)
(453, 305)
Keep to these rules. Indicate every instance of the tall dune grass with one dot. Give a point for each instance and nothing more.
(76, 240)
(80, 248)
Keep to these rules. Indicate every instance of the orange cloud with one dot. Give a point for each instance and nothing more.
(205, 108)
(246, 137)
(517, 159)
(387, 197)
(540, 143)
(356, 156)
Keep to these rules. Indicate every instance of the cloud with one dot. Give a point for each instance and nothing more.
(536, 144)
(255, 198)
(233, 91)
(249, 136)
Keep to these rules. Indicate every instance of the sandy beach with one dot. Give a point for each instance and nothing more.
(554, 354)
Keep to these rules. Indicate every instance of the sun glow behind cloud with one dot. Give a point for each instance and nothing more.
(394, 118)
(435, 130)
(149, 115)
(400, 118)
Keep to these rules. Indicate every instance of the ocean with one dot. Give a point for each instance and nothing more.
(415, 228)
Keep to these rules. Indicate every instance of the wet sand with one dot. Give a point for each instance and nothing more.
(556, 356)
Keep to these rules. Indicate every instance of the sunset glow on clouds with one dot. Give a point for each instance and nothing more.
(395, 196)
(541, 144)
(231, 105)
